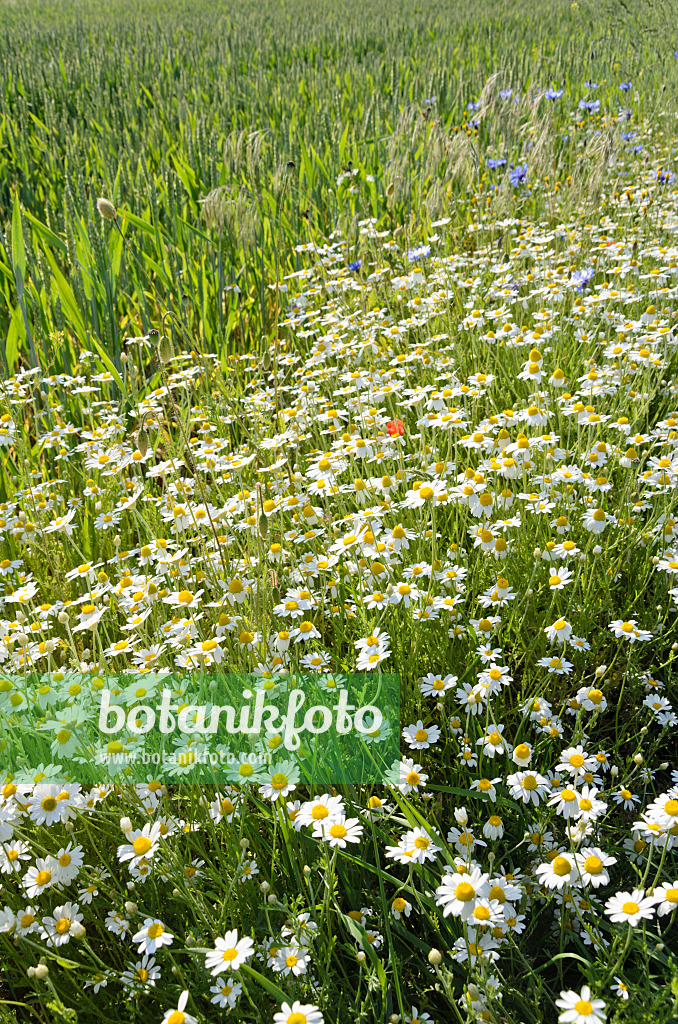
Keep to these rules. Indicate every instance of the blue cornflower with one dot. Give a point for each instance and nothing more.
(581, 278)
(430, 101)
(355, 265)
(506, 94)
(553, 94)
(494, 162)
(665, 177)
(590, 85)
(589, 105)
(637, 150)
(420, 253)
(473, 106)
(518, 175)
(626, 136)
(625, 86)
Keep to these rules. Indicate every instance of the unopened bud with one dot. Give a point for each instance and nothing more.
(272, 898)
(614, 771)
(360, 957)
(41, 972)
(142, 441)
(244, 843)
(435, 957)
(307, 870)
(78, 930)
(600, 671)
(126, 824)
(164, 349)
(106, 209)
(264, 887)
(130, 907)
(63, 618)
(637, 758)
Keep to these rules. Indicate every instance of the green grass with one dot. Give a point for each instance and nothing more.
(252, 155)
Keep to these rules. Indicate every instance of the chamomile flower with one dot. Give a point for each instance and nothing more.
(580, 1008)
(630, 907)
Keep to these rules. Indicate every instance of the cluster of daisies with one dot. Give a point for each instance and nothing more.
(459, 467)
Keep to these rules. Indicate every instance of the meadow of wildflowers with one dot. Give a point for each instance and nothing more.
(337, 345)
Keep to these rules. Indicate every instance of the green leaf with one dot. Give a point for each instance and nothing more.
(272, 989)
(68, 302)
(18, 250)
(16, 330)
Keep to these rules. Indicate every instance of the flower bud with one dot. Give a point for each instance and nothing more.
(126, 824)
(360, 957)
(130, 908)
(637, 758)
(41, 972)
(164, 349)
(106, 209)
(435, 957)
(78, 930)
(272, 898)
(63, 618)
(264, 887)
(142, 441)
(600, 671)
